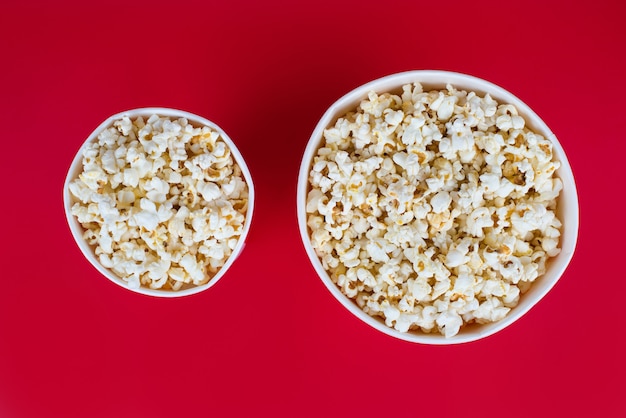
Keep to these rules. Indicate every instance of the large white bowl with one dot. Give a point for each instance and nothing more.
(567, 204)
(77, 230)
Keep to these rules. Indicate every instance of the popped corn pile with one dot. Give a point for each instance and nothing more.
(433, 209)
(162, 201)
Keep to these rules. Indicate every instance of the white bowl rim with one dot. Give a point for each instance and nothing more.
(77, 230)
(438, 79)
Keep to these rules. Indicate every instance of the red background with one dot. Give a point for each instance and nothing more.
(269, 339)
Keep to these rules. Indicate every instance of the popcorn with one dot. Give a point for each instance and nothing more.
(449, 323)
(162, 201)
(434, 210)
(440, 202)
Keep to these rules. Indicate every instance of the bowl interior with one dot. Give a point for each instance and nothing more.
(567, 202)
(77, 229)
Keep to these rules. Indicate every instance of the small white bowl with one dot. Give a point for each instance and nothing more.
(77, 230)
(567, 204)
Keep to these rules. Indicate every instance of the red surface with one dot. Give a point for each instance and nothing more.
(269, 339)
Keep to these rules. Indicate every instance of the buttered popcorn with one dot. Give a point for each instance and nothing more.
(433, 209)
(162, 201)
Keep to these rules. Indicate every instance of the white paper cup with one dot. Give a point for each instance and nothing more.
(77, 229)
(567, 203)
